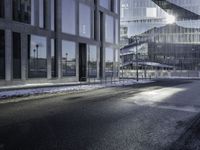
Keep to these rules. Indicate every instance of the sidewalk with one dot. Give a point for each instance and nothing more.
(51, 88)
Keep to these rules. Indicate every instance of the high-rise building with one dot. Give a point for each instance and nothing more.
(58, 40)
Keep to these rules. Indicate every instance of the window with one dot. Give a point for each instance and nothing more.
(53, 58)
(109, 60)
(1, 8)
(41, 13)
(68, 58)
(68, 17)
(109, 29)
(2, 54)
(22, 11)
(37, 56)
(105, 3)
(92, 61)
(16, 55)
(52, 15)
(84, 20)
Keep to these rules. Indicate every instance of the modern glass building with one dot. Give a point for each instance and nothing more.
(58, 40)
(172, 44)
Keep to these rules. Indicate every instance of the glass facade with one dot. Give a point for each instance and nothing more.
(165, 40)
(109, 62)
(109, 30)
(2, 54)
(92, 61)
(2, 8)
(105, 3)
(22, 11)
(68, 15)
(53, 40)
(68, 58)
(138, 16)
(84, 20)
(16, 55)
(37, 56)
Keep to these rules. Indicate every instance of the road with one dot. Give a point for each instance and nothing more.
(154, 116)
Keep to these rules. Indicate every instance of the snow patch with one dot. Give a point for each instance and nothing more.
(68, 88)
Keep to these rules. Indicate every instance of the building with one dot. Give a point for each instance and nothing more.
(138, 16)
(58, 40)
(173, 45)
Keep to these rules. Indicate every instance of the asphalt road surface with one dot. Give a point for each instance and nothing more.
(155, 116)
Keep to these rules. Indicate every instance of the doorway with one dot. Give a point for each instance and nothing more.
(82, 62)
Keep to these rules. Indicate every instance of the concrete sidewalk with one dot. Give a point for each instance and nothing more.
(50, 88)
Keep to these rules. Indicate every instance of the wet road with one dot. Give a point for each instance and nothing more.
(139, 117)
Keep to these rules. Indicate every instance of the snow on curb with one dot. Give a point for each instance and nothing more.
(69, 89)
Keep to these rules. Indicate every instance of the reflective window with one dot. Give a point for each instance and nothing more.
(109, 29)
(41, 13)
(1, 8)
(109, 60)
(2, 54)
(92, 61)
(53, 58)
(84, 20)
(105, 3)
(68, 58)
(52, 15)
(16, 55)
(68, 17)
(37, 57)
(22, 11)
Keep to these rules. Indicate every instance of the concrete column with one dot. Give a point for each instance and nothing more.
(24, 56)
(77, 61)
(103, 44)
(36, 12)
(77, 33)
(98, 62)
(58, 38)
(59, 57)
(8, 10)
(49, 76)
(77, 16)
(97, 25)
(8, 55)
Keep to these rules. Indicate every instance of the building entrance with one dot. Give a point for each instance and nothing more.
(82, 62)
